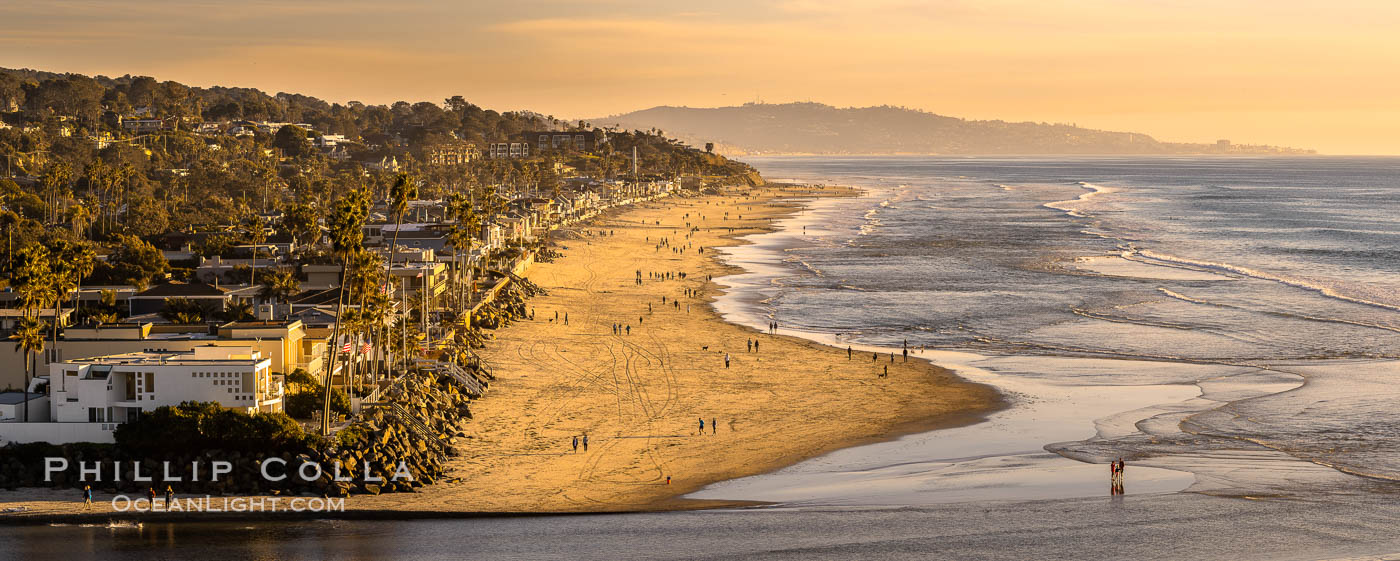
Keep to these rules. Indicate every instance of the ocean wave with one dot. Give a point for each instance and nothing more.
(1288, 315)
(1261, 275)
(1186, 298)
(1066, 206)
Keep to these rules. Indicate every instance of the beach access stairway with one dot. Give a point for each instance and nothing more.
(473, 386)
(393, 409)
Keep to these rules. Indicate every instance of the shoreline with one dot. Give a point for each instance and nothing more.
(502, 439)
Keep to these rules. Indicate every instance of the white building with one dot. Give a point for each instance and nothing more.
(89, 397)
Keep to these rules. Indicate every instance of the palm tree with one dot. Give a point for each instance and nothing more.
(405, 189)
(462, 236)
(347, 235)
(32, 278)
(280, 285)
(241, 310)
(377, 308)
(54, 181)
(257, 234)
(29, 339)
(183, 311)
(80, 218)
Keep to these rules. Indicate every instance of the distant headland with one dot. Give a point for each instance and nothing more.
(815, 128)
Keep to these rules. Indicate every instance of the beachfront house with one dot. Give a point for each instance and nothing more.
(88, 398)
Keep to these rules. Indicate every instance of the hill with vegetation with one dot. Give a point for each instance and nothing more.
(814, 128)
(112, 163)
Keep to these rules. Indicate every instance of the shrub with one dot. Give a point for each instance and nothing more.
(205, 426)
(305, 404)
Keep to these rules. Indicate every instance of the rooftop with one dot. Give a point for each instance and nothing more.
(208, 354)
(16, 398)
(179, 289)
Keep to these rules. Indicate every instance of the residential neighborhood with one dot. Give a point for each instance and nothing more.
(168, 233)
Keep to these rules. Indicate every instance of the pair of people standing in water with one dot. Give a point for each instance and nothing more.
(1115, 469)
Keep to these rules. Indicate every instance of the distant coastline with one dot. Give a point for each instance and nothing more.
(819, 129)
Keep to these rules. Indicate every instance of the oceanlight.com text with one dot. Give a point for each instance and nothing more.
(124, 503)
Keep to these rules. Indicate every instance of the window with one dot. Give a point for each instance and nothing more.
(150, 382)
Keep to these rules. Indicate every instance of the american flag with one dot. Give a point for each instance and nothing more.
(346, 347)
(364, 348)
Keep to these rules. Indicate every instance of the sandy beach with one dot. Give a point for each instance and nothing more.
(640, 395)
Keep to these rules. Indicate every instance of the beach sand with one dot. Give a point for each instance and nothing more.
(639, 397)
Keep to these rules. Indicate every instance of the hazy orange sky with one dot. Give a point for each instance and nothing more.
(1322, 75)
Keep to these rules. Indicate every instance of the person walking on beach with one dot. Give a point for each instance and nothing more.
(169, 496)
(575, 444)
(755, 345)
(849, 352)
(726, 360)
(874, 357)
(906, 354)
(87, 497)
(151, 494)
(714, 425)
(629, 330)
(585, 443)
(887, 372)
(702, 425)
(749, 342)
(566, 318)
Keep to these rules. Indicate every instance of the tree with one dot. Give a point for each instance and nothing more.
(405, 189)
(79, 218)
(241, 310)
(293, 142)
(183, 311)
(136, 262)
(281, 286)
(29, 339)
(70, 263)
(462, 236)
(33, 278)
(347, 234)
(257, 235)
(302, 223)
(55, 182)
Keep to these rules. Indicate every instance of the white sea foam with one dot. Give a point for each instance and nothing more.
(1068, 207)
(1261, 275)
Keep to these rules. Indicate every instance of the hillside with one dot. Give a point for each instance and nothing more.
(822, 129)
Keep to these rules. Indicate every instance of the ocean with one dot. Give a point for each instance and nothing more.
(1236, 319)
(1227, 325)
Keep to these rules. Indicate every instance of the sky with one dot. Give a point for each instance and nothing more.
(1322, 75)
